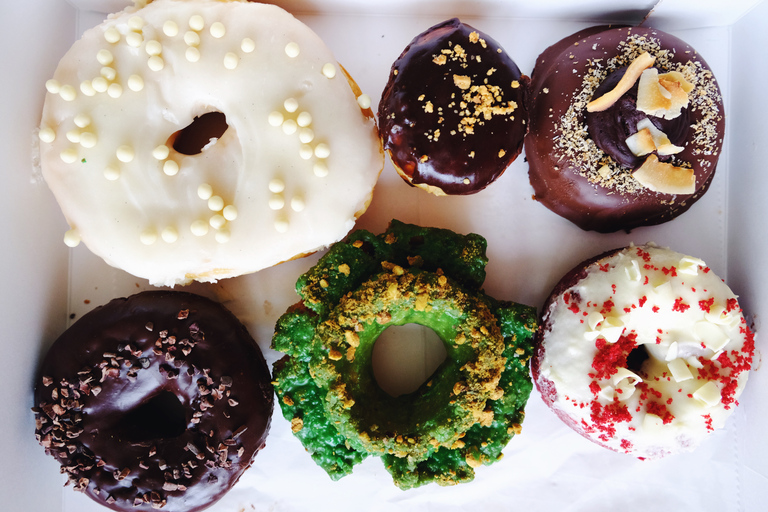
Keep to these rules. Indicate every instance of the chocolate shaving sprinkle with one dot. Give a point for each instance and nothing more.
(184, 313)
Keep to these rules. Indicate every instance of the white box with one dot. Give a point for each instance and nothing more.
(547, 467)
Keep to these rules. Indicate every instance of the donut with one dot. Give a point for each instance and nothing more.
(608, 148)
(453, 113)
(642, 350)
(466, 412)
(202, 139)
(158, 400)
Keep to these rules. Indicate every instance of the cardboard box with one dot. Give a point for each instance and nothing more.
(547, 467)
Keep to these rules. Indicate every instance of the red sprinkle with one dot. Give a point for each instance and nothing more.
(706, 305)
(680, 306)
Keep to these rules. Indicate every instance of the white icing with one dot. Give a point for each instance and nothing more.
(661, 306)
(128, 198)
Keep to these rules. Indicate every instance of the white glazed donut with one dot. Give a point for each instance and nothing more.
(643, 350)
(290, 175)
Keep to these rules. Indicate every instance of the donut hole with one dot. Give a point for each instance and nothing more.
(405, 357)
(636, 358)
(203, 131)
(160, 417)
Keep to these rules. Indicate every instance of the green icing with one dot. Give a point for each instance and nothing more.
(459, 419)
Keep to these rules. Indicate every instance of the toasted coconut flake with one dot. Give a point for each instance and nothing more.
(665, 178)
(641, 142)
(633, 72)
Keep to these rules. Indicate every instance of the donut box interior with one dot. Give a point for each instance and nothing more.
(548, 466)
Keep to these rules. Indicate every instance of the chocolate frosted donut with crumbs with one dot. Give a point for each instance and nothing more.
(156, 401)
(453, 114)
(626, 128)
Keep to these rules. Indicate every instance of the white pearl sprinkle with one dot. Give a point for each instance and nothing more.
(125, 154)
(204, 191)
(170, 28)
(247, 45)
(170, 168)
(222, 236)
(192, 54)
(161, 152)
(86, 88)
(72, 238)
(135, 83)
(297, 204)
(111, 172)
(46, 134)
(99, 84)
(215, 203)
(67, 93)
(135, 23)
(88, 140)
(148, 237)
(276, 185)
(275, 118)
(292, 50)
(134, 39)
(231, 60)
(73, 136)
(218, 30)
(304, 119)
(306, 152)
(153, 47)
(329, 70)
(217, 221)
(230, 212)
(322, 150)
(115, 90)
(108, 72)
(170, 234)
(306, 135)
(69, 155)
(104, 57)
(196, 22)
(53, 86)
(192, 38)
(112, 35)
(290, 127)
(156, 63)
(291, 105)
(199, 228)
(276, 202)
(320, 169)
(364, 101)
(281, 225)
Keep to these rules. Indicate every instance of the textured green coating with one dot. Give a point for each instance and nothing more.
(463, 416)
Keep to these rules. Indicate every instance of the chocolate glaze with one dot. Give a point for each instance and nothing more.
(611, 127)
(559, 73)
(408, 127)
(176, 355)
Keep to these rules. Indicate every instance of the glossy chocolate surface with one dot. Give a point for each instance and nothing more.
(453, 113)
(160, 400)
(559, 179)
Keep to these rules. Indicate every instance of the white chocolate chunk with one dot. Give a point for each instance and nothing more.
(199, 228)
(100, 84)
(88, 140)
(72, 238)
(230, 212)
(297, 203)
(82, 120)
(291, 105)
(112, 35)
(306, 135)
(292, 50)
(69, 156)
(134, 39)
(52, 86)
(306, 152)
(192, 38)
(364, 101)
(709, 393)
(218, 30)
(712, 336)
(135, 83)
(217, 221)
(135, 23)
(690, 265)
(87, 88)
(322, 150)
(672, 351)
(104, 57)
(153, 47)
(222, 236)
(192, 54)
(204, 191)
(156, 63)
(633, 271)
(108, 73)
(161, 152)
(196, 22)
(276, 202)
(329, 70)
(275, 118)
(47, 134)
(112, 172)
(276, 185)
(248, 45)
(215, 203)
(125, 154)
(652, 422)
(304, 119)
(115, 90)
(169, 234)
(170, 28)
(231, 60)
(73, 136)
(320, 169)
(67, 93)
(679, 370)
(290, 126)
(148, 236)
(170, 168)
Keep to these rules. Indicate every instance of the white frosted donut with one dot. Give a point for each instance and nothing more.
(643, 350)
(294, 169)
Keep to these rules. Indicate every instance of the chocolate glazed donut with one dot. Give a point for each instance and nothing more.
(159, 400)
(575, 167)
(453, 114)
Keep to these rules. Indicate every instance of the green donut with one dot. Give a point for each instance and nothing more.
(463, 416)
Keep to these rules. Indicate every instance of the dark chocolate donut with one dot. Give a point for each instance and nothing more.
(158, 400)
(579, 163)
(453, 113)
